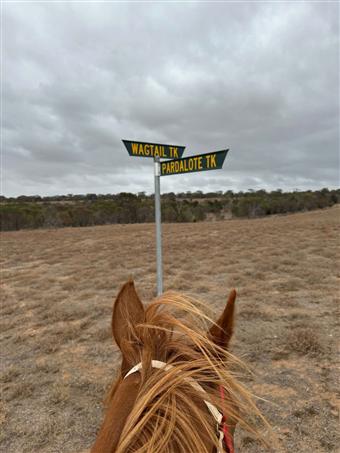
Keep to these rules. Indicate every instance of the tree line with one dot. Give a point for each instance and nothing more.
(29, 212)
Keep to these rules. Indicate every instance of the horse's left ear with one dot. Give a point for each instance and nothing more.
(128, 312)
(221, 332)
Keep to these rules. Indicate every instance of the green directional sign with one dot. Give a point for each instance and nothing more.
(201, 162)
(143, 149)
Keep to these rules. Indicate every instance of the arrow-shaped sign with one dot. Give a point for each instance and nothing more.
(201, 162)
(143, 149)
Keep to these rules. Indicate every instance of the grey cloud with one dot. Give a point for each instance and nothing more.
(260, 78)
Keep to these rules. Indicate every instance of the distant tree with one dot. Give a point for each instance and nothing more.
(91, 196)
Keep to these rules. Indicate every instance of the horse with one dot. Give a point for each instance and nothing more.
(177, 390)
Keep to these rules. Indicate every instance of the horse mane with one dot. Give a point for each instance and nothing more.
(169, 411)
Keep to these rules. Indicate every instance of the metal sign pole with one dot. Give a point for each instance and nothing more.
(158, 227)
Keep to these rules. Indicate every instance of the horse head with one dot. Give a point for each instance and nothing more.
(176, 391)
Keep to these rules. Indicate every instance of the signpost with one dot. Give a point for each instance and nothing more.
(156, 151)
(177, 165)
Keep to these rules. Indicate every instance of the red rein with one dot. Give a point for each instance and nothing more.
(227, 437)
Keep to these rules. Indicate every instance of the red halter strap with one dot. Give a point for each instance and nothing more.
(228, 440)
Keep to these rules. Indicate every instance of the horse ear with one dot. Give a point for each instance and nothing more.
(221, 332)
(128, 311)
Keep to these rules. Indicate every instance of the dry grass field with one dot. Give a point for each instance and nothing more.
(57, 292)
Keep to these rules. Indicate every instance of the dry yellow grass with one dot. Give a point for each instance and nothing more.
(57, 293)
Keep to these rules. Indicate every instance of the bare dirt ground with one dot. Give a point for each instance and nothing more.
(58, 287)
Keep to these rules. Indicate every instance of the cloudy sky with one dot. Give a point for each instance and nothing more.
(259, 78)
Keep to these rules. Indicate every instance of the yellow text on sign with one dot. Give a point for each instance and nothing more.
(149, 150)
(196, 163)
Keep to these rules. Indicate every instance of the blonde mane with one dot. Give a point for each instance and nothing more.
(169, 414)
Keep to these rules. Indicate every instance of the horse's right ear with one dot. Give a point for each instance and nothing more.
(221, 332)
(128, 311)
